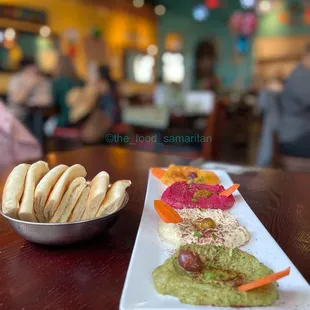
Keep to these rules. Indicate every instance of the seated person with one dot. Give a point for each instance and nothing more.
(109, 97)
(92, 109)
(28, 88)
(65, 79)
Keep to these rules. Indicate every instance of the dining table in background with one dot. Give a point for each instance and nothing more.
(91, 275)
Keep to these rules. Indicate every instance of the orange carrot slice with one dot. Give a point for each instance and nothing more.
(229, 191)
(158, 172)
(265, 280)
(167, 213)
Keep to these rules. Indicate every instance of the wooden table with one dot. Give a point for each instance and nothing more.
(91, 276)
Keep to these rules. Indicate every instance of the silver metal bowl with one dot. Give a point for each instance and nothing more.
(64, 233)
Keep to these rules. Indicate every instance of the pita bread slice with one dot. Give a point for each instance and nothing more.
(35, 173)
(98, 189)
(44, 188)
(114, 198)
(69, 200)
(61, 187)
(80, 206)
(13, 190)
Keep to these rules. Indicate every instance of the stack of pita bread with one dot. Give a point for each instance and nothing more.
(34, 193)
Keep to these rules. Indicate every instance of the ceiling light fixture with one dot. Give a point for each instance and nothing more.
(45, 31)
(160, 10)
(9, 34)
(264, 6)
(152, 50)
(248, 4)
(138, 3)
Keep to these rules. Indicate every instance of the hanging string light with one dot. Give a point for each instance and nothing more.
(160, 10)
(307, 16)
(152, 50)
(200, 12)
(138, 3)
(45, 31)
(9, 34)
(264, 6)
(248, 4)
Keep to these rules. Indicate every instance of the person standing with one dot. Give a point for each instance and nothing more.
(294, 125)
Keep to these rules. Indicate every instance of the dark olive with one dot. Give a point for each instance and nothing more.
(191, 176)
(190, 261)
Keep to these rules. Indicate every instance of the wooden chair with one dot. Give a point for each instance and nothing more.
(215, 121)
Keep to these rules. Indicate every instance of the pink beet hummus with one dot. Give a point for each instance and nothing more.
(180, 195)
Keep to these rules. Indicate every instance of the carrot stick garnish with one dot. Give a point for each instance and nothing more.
(229, 191)
(265, 280)
(167, 213)
(158, 172)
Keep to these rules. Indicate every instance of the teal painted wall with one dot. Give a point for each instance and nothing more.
(178, 18)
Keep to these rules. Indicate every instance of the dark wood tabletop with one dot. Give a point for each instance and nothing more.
(92, 275)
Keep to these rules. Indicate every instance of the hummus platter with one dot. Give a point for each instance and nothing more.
(185, 174)
(202, 227)
(213, 276)
(181, 195)
(200, 244)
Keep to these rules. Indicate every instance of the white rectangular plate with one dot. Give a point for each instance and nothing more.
(149, 253)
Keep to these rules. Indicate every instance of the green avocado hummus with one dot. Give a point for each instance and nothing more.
(216, 284)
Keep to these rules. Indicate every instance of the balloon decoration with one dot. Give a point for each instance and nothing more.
(248, 24)
(235, 22)
(212, 4)
(72, 50)
(71, 36)
(243, 25)
(242, 44)
(307, 16)
(306, 4)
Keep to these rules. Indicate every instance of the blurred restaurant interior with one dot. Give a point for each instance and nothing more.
(209, 79)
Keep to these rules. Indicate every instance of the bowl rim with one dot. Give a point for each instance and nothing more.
(11, 219)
